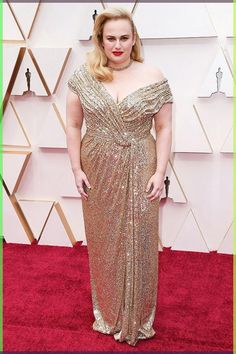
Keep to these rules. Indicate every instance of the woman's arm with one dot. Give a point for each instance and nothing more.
(163, 126)
(74, 122)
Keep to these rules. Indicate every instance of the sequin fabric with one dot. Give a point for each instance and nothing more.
(118, 155)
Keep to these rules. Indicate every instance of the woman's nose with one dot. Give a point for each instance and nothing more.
(117, 45)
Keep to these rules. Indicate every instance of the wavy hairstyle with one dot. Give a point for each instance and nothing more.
(97, 59)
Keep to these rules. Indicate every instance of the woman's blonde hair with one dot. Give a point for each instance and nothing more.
(97, 59)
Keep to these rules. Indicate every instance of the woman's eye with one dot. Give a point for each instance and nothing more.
(123, 39)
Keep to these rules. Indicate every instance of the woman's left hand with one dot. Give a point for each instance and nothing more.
(157, 181)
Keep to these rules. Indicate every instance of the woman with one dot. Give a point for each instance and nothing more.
(119, 170)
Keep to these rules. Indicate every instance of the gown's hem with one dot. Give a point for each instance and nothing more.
(142, 334)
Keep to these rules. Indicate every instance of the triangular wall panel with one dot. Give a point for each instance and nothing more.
(13, 230)
(11, 30)
(14, 165)
(228, 143)
(36, 213)
(216, 116)
(10, 55)
(175, 192)
(51, 62)
(52, 123)
(225, 84)
(186, 120)
(227, 244)
(13, 130)
(36, 84)
(25, 14)
(189, 237)
(55, 233)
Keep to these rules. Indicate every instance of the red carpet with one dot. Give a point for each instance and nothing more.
(47, 303)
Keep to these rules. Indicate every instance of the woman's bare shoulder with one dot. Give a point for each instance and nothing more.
(152, 71)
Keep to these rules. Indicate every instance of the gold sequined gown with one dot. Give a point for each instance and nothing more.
(118, 155)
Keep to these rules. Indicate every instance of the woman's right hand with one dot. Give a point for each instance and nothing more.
(82, 182)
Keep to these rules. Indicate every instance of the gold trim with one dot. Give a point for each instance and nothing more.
(59, 117)
(65, 223)
(13, 77)
(62, 69)
(225, 235)
(160, 243)
(45, 222)
(16, 20)
(35, 15)
(224, 142)
(22, 128)
(39, 71)
(134, 7)
(38, 200)
(184, 221)
(172, 168)
(22, 170)
(22, 218)
(35, 200)
(13, 41)
(25, 36)
(202, 126)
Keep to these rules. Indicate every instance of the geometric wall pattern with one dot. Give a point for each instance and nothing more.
(193, 46)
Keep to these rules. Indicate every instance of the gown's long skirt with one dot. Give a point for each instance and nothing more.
(122, 233)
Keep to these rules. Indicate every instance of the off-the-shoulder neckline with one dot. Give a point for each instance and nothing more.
(152, 84)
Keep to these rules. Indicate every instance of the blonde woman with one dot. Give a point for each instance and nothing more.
(119, 170)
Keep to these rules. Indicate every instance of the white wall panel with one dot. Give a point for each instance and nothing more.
(32, 112)
(72, 208)
(13, 132)
(228, 143)
(11, 31)
(51, 62)
(54, 233)
(36, 213)
(216, 115)
(208, 184)
(209, 84)
(180, 20)
(176, 192)
(36, 84)
(86, 24)
(42, 175)
(187, 42)
(226, 245)
(189, 237)
(13, 230)
(185, 123)
(25, 14)
(221, 15)
(10, 54)
(14, 164)
(52, 133)
(168, 211)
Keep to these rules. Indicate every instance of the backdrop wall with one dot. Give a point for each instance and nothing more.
(189, 43)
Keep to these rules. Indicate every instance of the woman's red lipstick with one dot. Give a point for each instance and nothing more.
(117, 53)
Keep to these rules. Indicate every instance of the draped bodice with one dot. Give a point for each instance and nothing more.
(124, 122)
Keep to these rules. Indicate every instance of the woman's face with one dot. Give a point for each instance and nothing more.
(117, 40)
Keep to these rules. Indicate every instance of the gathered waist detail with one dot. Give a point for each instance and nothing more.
(125, 139)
